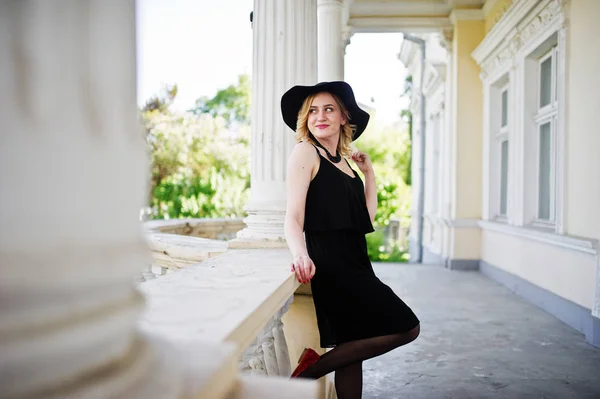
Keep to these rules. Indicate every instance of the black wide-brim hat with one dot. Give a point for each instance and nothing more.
(292, 101)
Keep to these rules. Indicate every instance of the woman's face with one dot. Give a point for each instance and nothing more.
(325, 117)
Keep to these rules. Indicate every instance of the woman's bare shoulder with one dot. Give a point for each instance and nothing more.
(304, 152)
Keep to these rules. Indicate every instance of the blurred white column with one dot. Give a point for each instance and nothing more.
(285, 52)
(73, 175)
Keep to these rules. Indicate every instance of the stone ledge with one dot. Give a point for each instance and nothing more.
(175, 251)
(214, 228)
(228, 298)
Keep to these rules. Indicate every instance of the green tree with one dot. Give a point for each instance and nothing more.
(387, 148)
(406, 116)
(199, 168)
(200, 165)
(231, 103)
(162, 101)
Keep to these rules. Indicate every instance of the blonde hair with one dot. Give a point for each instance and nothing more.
(346, 132)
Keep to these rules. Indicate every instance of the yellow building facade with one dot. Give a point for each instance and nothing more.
(512, 176)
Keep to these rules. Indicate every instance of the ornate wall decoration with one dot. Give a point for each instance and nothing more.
(520, 36)
(500, 13)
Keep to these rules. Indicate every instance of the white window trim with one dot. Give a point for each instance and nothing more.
(501, 136)
(495, 134)
(506, 51)
(544, 115)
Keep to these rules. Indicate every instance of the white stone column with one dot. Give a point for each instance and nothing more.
(73, 174)
(331, 40)
(285, 44)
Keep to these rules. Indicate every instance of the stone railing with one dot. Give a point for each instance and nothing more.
(213, 228)
(237, 297)
(268, 354)
(176, 244)
(181, 242)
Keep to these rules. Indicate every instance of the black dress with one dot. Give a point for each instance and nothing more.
(350, 301)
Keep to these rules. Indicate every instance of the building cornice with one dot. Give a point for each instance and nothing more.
(398, 24)
(516, 29)
(487, 7)
(465, 15)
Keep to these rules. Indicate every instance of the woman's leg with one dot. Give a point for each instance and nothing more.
(349, 381)
(352, 352)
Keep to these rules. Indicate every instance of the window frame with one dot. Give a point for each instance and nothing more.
(501, 136)
(544, 115)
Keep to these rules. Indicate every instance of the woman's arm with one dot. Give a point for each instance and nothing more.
(301, 165)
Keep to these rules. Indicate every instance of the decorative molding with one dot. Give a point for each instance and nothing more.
(435, 75)
(407, 52)
(499, 32)
(381, 8)
(347, 33)
(497, 52)
(446, 39)
(465, 3)
(500, 13)
(584, 245)
(465, 15)
(399, 24)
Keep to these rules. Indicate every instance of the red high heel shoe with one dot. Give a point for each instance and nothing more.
(307, 359)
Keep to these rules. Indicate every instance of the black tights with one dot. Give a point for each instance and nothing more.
(346, 360)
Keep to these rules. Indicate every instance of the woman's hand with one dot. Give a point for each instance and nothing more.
(304, 268)
(363, 161)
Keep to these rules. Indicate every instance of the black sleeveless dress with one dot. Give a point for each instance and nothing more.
(350, 301)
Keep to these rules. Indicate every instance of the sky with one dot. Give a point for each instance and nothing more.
(203, 45)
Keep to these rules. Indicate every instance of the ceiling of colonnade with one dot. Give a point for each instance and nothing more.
(404, 15)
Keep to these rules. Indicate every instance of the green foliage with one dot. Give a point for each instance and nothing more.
(199, 168)
(387, 148)
(406, 157)
(162, 101)
(231, 103)
(406, 115)
(380, 252)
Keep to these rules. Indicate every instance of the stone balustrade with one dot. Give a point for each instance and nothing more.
(238, 297)
(171, 251)
(268, 353)
(212, 228)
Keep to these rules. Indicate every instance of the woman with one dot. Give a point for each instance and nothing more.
(357, 315)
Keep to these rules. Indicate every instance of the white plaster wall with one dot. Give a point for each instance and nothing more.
(564, 272)
(583, 107)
